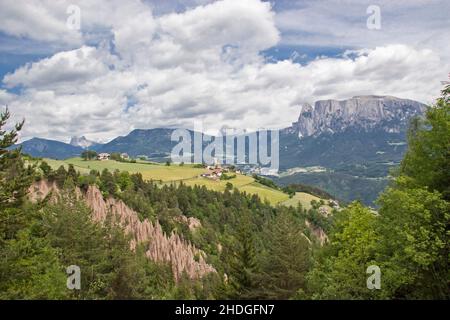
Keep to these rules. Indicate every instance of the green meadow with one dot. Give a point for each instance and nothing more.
(187, 174)
(302, 197)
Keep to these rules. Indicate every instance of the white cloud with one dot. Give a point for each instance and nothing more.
(204, 64)
(43, 20)
(5, 97)
(63, 70)
(245, 24)
(336, 23)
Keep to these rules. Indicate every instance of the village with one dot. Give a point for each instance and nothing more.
(213, 171)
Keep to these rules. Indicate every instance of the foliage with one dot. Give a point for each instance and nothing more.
(414, 246)
(258, 250)
(427, 160)
(266, 182)
(88, 155)
(225, 176)
(297, 187)
(286, 258)
(339, 270)
(408, 238)
(243, 263)
(14, 177)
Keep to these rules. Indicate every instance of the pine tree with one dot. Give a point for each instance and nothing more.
(107, 183)
(287, 258)
(14, 178)
(30, 268)
(60, 176)
(244, 265)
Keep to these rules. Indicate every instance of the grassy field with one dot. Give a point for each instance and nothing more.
(174, 174)
(274, 196)
(302, 197)
(243, 183)
(148, 170)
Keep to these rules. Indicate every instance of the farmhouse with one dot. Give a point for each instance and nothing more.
(217, 172)
(323, 211)
(124, 155)
(103, 156)
(213, 173)
(333, 203)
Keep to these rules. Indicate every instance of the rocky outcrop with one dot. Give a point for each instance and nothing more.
(82, 142)
(317, 232)
(191, 222)
(388, 113)
(182, 255)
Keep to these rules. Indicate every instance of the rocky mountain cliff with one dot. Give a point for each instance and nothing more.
(182, 255)
(82, 142)
(355, 142)
(387, 113)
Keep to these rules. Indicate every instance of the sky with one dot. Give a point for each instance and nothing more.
(101, 68)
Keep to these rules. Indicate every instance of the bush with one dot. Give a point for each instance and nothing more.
(227, 177)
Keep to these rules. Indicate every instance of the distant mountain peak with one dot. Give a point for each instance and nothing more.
(45, 148)
(368, 112)
(82, 142)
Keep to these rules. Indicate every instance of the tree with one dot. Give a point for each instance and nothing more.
(60, 176)
(46, 168)
(243, 263)
(14, 183)
(414, 243)
(30, 269)
(124, 180)
(415, 212)
(287, 258)
(427, 160)
(107, 183)
(14, 178)
(88, 155)
(340, 267)
(109, 268)
(408, 239)
(116, 156)
(71, 172)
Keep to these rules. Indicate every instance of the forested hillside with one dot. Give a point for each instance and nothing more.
(257, 250)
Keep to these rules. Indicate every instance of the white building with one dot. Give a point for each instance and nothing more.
(103, 156)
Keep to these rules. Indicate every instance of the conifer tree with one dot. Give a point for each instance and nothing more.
(287, 258)
(14, 178)
(244, 265)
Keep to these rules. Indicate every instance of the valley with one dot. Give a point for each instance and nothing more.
(189, 175)
(347, 148)
(224, 155)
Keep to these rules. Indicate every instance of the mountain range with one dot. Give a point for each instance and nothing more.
(345, 147)
(363, 113)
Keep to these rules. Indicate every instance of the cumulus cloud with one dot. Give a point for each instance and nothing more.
(418, 23)
(69, 68)
(5, 97)
(202, 63)
(244, 24)
(43, 20)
